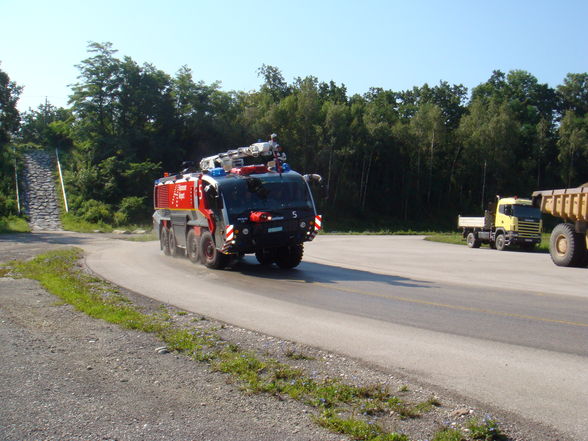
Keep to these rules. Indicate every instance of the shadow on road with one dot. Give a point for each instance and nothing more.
(312, 272)
(47, 238)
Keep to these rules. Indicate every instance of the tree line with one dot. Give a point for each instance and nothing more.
(410, 158)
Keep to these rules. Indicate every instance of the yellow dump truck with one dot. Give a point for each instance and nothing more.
(568, 242)
(511, 221)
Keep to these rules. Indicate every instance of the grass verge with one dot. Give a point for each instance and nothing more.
(457, 239)
(71, 222)
(14, 224)
(342, 408)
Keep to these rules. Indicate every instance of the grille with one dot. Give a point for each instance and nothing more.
(162, 196)
(529, 229)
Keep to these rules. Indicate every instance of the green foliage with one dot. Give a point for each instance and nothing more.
(13, 224)
(486, 430)
(448, 434)
(95, 211)
(131, 210)
(71, 222)
(358, 429)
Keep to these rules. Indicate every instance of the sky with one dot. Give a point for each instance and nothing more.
(394, 44)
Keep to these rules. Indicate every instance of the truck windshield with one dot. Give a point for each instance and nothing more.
(265, 193)
(526, 211)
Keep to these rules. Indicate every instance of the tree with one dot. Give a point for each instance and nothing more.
(490, 136)
(9, 116)
(9, 122)
(274, 83)
(37, 126)
(573, 93)
(427, 127)
(573, 145)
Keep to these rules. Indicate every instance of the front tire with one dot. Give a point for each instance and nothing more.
(500, 241)
(209, 255)
(289, 256)
(567, 248)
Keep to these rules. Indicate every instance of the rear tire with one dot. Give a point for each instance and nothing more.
(500, 242)
(473, 241)
(192, 248)
(173, 245)
(209, 255)
(289, 256)
(567, 248)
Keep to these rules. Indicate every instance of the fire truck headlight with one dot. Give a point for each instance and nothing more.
(245, 231)
(302, 224)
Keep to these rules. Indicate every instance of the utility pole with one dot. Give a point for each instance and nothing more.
(16, 181)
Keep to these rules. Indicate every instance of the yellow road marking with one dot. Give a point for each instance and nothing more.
(447, 306)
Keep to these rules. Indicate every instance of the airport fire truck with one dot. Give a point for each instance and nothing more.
(228, 209)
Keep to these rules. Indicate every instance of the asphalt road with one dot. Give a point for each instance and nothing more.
(506, 328)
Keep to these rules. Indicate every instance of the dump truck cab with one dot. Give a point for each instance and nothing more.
(518, 220)
(512, 221)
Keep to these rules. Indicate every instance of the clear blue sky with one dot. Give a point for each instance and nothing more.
(362, 43)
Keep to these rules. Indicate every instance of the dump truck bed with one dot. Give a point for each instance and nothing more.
(470, 222)
(570, 204)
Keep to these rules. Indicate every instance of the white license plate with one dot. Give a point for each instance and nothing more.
(274, 229)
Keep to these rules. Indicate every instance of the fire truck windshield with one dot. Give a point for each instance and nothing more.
(265, 193)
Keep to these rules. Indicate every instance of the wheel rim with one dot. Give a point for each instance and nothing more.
(561, 245)
(209, 250)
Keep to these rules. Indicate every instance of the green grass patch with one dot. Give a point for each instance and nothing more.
(486, 429)
(74, 223)
(357, 429)
(457, 239)
(70, 222)
(448, 434)
(14, 224)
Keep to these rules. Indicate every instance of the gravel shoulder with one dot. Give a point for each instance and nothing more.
(64, 375)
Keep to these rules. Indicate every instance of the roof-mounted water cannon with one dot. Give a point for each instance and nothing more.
(234, 158)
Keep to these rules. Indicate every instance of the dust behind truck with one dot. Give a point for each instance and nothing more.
(228, 209)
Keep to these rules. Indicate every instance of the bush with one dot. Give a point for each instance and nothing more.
(95, 211)
(131, 210)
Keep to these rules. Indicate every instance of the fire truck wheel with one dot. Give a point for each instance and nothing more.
(265, 256)
(290, 256)
(173, 244)
(192, 248)
(209, 255)
(164, 240)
